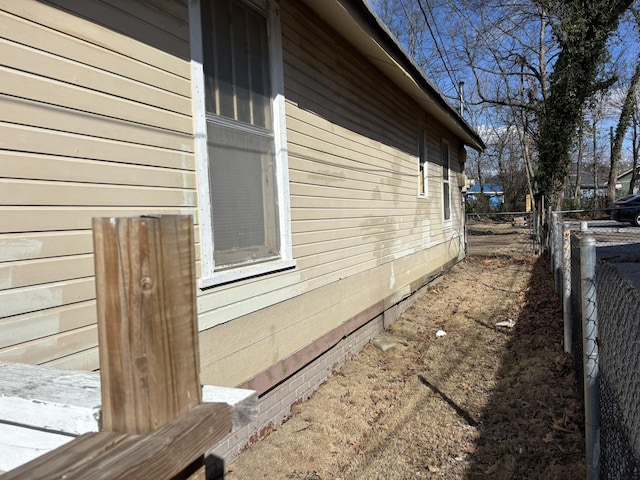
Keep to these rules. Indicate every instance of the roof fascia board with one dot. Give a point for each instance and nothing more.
(359, 25)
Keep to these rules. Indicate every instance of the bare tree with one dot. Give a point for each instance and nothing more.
(583, 32)
(626, 114)
(418, 26)
(595, 114)
(506, 48)
(541, 59)
(635, 147)
(577, 191)
(627, 108)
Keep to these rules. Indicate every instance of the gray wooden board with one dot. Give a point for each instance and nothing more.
(42, 408)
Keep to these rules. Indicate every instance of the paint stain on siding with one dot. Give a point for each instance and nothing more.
(15, 303)
(189, 198)
(392, 279)
(14, 333)
(6, 278)
(188, 160)
(19, 248)
(426, 232)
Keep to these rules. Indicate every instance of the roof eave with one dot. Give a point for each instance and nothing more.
(358, 24)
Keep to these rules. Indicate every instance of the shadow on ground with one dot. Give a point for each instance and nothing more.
(481, 402)
(529, 432)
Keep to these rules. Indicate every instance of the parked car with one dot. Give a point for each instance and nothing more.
(627, 209)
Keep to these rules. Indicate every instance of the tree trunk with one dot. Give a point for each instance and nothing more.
(626, 113)
(585, 27)
(578, 189)
(635, 147)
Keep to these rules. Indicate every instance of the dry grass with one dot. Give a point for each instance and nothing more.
(481, 402)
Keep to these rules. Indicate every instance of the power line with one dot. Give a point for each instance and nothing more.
(445, 62)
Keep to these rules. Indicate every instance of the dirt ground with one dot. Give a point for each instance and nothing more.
(481, 402)
(487, 238)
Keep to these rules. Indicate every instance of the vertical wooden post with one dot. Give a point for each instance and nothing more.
(147, 324)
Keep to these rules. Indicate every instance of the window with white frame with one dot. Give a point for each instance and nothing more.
(240, 137)
(446, 188)
(423, 185)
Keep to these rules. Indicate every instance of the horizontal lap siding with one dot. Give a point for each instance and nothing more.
(360, 233)
(95, 120)
(353, 140)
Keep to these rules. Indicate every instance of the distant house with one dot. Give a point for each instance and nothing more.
(320, 165)
(493, 191)
(590, 186)
(622, 184)
(624, 180)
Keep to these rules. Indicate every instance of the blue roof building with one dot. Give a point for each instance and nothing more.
(494, 191)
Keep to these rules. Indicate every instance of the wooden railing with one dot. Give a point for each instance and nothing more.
(154, 424)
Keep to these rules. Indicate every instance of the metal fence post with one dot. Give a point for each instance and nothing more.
(534, 231)
(590, 355)
(552, 225)
(556, 251)
(466, 234)
(566, 291)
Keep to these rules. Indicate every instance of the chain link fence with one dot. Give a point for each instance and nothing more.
(619, 349)
(608, 350)
(501, 233)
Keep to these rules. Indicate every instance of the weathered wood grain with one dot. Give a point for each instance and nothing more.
(109, 456)
(146, 320)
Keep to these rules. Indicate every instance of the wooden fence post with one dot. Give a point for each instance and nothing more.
(147, 326)
(153, 423)
(147, 322)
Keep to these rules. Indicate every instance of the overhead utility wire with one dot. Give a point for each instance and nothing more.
(435, 40)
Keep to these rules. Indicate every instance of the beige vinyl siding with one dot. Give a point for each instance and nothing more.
(30, 166)
(291, 325)
(361, 235)
(91, 23)
(27, 329)
(96, 120)
(95, 102)
(320, 71)
(354, 133)
(33, 245)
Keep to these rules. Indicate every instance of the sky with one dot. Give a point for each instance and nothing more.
(437, 48)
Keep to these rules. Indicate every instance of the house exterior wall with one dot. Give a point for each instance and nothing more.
(361, 235)
(624, 181)
(97, 121)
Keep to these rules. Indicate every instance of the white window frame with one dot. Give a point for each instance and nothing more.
(423, 162)
(210, 276)
(446, 181)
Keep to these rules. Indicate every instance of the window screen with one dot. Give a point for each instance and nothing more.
(240, 136)
(243, 196)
